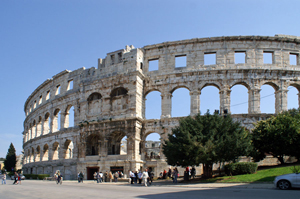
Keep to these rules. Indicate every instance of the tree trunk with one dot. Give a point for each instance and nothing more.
(281, 160)
(207, 170)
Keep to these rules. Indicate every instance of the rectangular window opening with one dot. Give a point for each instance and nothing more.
(210, 58)
(112, 58)
(70, 85)
(41, 99)
(57, 90)
(34, 104)
(180, 61)
(239, 57)
(268, 57)
(153, 64)
(48, 95)
(119, 57)
(293, 59)
(141, 66)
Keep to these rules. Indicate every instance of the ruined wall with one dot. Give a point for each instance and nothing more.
(109, 101)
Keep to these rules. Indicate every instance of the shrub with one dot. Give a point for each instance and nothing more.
(295, 169)
(240, 168)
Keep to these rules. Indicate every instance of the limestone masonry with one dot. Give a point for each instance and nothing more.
(109, 101)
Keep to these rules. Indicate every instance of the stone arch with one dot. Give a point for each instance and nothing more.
(180, 97)
(68, 149)
(56, 120)
(152, 148)
(38, 154)
(55, 151)
(46, 125)
(178, 87)
(33, 129)
(293, 96)
(205, 84)
(240, 83)
(209, 97)
(92, 144)
(240, 102)
(94, 103)
(114, 142)
(32, 155)
(119, 99)
(152, 104)
(69, 118)
(45, 153)
(268, 97)
(39, 127)
(118, 92)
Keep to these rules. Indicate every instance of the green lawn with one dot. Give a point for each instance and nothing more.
(265, 175)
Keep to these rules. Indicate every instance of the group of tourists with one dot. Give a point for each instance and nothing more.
(146, 177)
(107, 176)
(171, 174)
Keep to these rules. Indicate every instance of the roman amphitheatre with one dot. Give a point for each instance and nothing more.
(109, 101)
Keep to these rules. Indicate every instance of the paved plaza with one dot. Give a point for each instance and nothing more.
(31, 189)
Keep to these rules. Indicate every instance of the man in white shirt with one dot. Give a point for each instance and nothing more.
(145, 177)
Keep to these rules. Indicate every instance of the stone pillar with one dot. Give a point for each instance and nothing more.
(195, 102)
(42, 127)
(224, 100)
(166, 105)
(143, 150)
(281, 100)
(254, 101)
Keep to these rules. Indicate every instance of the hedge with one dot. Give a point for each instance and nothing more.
(240, 168)
(36, 176)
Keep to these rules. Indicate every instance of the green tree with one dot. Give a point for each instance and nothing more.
(206, 139)
(11, 160)
(277, 136)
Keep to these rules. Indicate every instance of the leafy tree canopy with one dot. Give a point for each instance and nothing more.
(11, 160)
(206, 139)
(278, 136)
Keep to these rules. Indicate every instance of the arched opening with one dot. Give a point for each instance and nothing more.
(45, 153)
(39, 127)
(114, 143)
(33, 129)
(68, 149)
(55, 149)
(32, 155)
(46, 128)
(119, 99)
(292, 98)
(239, 99)
(123, 146)
(92, 145)
(94, 103)
(209, 99)
(152, 146)
(153, 105)
(181, 102)
(56, 120)
(38, 154)
(267, 99)
(69, 117)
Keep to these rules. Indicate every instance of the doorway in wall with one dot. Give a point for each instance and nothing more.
(90, 172)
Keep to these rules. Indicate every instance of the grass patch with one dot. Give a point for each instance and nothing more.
(265, 175)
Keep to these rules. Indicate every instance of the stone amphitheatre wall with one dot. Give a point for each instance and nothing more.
(109, 101)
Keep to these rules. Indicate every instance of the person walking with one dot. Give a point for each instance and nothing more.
(116, 176)
(140, 176)
(4, 178)
(19, 178)
(16, 178)
(81, 176)
(101, 176)
(145, 177)
(110, 176)
(175, 175)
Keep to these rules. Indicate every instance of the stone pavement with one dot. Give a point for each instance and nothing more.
(169, 183)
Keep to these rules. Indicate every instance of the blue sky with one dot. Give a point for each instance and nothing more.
(42, 38)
